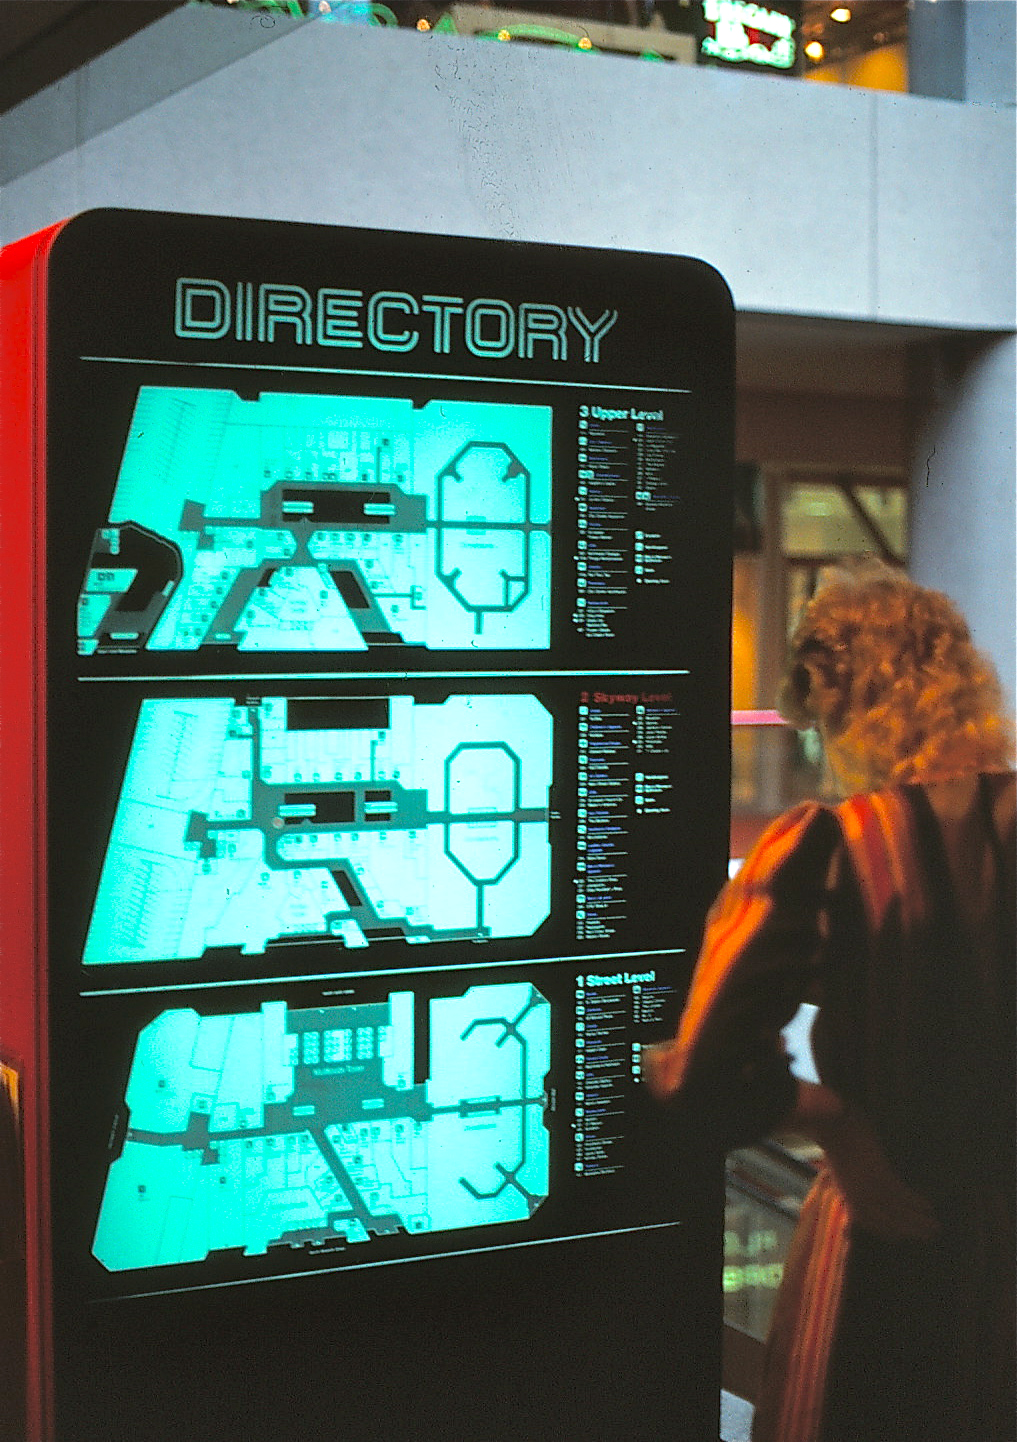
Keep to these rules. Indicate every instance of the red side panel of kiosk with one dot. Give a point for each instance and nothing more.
(24, 1232)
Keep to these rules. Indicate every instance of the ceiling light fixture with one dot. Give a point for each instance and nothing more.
(814, 51)
(842, 14)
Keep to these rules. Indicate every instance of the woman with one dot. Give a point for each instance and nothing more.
(894, 912)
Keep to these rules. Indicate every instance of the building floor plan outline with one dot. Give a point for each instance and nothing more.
(322, 523)
(354, 820)
(306, 1127)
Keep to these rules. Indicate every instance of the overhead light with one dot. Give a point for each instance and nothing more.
(814, 51)
(842, 14)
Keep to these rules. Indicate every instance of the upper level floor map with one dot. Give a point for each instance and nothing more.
(323, 523)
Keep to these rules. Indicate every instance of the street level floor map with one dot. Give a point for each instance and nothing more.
(323, 523)
(305, 1128)
(350, 820)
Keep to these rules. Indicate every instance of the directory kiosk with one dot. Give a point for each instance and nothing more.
(365, 783)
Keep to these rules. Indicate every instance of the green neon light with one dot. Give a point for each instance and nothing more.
(382, 15)
(544, 33)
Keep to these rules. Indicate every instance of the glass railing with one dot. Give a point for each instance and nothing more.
(765, 1188)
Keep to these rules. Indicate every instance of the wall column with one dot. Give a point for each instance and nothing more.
(964, 497)
(963, 50)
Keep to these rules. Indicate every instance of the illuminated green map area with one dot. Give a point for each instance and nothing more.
(349, 821)
(306, 1127)
(323, 523)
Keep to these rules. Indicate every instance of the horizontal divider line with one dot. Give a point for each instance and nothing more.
(599, 957)
(587, 385)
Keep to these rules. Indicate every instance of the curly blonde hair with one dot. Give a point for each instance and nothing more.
(888, 670)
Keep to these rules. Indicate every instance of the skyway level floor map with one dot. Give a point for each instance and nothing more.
(354, 820)
(306, 1127)
(311, 523)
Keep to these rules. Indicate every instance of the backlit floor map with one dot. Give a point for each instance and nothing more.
(306, 1127)
(335, 523)
(351, 821)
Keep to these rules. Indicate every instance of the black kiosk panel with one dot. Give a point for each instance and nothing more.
(388, 624)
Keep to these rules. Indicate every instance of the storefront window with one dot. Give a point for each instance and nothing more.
(825, 519)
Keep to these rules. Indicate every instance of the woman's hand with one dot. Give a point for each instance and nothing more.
(878, 1199)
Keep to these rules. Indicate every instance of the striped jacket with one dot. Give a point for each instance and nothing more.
(895, 913)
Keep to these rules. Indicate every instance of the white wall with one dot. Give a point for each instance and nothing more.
(811, 200)
(964, 498)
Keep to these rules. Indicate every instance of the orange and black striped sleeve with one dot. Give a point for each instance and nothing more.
(761, 956)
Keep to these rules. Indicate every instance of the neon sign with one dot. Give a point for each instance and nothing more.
(745, 33)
